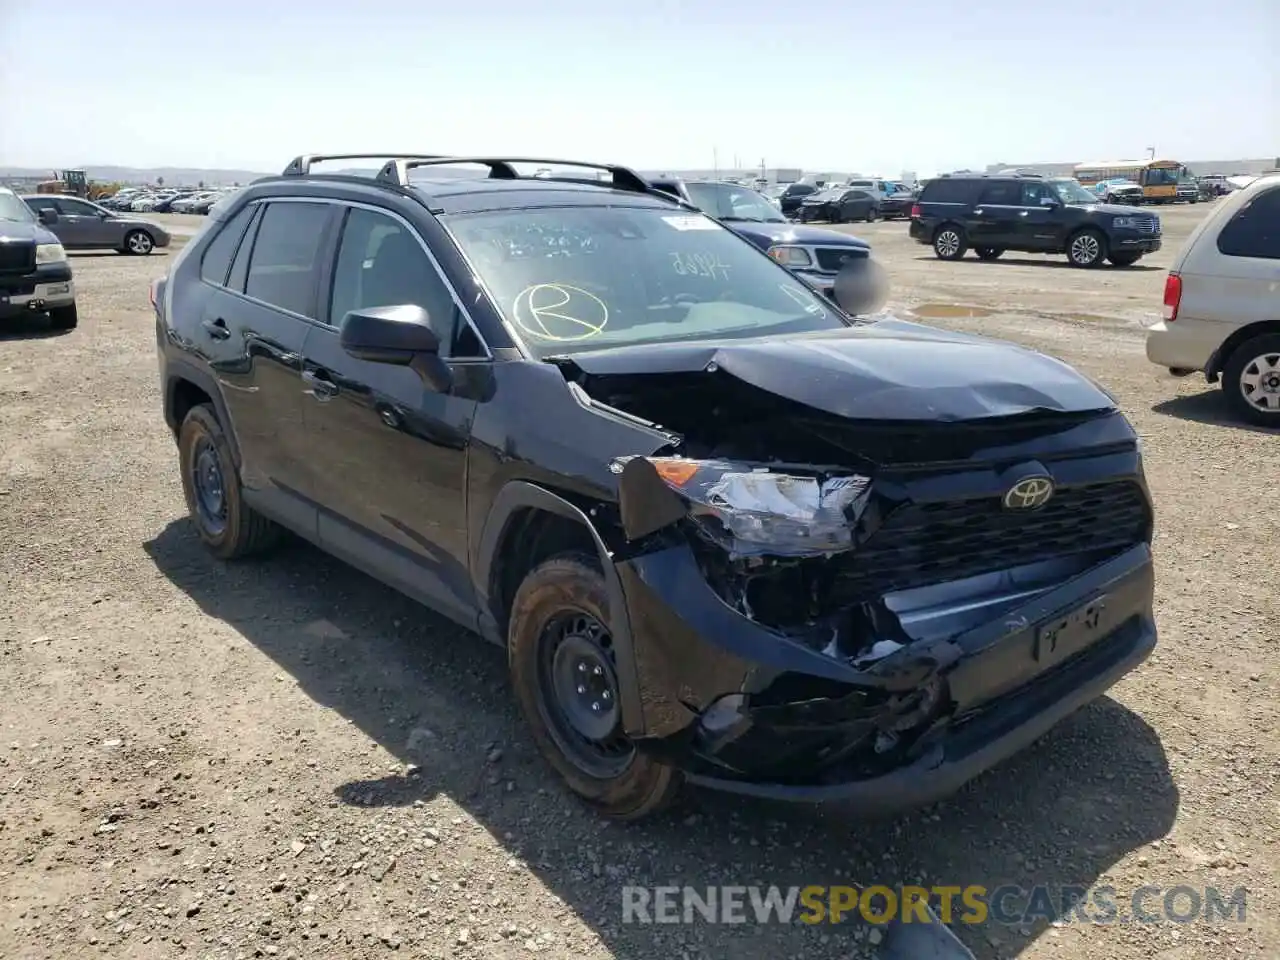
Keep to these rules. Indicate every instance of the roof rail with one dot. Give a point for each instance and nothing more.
(300, 166)
(396, 171)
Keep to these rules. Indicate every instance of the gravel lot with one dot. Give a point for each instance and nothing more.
(285, 758)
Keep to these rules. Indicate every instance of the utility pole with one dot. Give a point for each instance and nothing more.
(715, 161)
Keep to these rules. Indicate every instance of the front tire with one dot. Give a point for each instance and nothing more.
(1124, 259)
(949, 243)
(1251, 380)
(564, 671)
(64, 318)
(988, 253)
(138, 243)
(1087, 249)
(227, 526)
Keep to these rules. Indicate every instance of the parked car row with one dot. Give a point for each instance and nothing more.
(144, 200)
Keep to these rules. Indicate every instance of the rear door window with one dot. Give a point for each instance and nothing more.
(1254, 231)
(216, 261)
(282, 266)
(1002, 193)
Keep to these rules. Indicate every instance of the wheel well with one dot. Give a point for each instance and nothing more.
(530, 537)
(948, 223)
(183, 395)
(1240, 336)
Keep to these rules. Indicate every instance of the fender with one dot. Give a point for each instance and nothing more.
(178, 369)
(519, 495)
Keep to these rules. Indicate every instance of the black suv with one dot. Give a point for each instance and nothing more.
(727, 533)
(993, 214)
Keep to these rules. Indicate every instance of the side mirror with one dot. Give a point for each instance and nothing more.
(47, 215)
(1048, 202)
(399, 335)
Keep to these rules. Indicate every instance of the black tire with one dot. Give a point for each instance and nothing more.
(138, 243)
(1086, 248)
(835, 216)
(1245, 361)
(626, 786)
(64, 318)
(237, 530)
(988, 253)
(871, 215)
(1124, 259)
(949, 242)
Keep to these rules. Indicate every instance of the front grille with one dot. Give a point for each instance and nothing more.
(17, 256)
(831, 259)
(921, 544)
(1147, 224)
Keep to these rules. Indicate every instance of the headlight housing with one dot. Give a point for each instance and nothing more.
(1123, 222)
(754, 511)
(791, 256)
(50, 253)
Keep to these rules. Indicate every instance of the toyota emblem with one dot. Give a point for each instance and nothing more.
(1029, 494)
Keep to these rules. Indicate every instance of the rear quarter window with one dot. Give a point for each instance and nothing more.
(1254, 230)
(949, 191)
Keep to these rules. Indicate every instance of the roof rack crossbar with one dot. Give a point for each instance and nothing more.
(300, 166)
(500, 168)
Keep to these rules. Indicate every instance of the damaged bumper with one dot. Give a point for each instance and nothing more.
(948, 637)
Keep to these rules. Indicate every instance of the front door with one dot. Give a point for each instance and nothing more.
(1040, 220)
(83, 224)
(252, 328)
(391, 453)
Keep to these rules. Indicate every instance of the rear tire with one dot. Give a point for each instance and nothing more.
(988, 253)
(1087, 249)
(64, 318)
(227, 526)
(1251, 378)
(950, 243)
(560, 635)
(871, 215)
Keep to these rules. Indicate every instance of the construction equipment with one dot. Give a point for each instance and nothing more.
(74, 183)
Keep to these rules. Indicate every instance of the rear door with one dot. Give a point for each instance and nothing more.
(253, 329)
(996, 218)
(390, 477)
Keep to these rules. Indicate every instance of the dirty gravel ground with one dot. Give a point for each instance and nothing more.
(284, 758)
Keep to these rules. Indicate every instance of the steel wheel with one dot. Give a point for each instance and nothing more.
(579, 694)
(210, 487)
(139, 242)
(1260, 383)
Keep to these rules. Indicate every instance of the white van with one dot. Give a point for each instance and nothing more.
(1222, 303)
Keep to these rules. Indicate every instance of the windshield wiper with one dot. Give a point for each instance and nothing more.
(749, 220)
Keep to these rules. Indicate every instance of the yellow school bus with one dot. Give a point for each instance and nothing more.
(1159, 178)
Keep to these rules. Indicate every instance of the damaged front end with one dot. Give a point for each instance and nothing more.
(877, 633)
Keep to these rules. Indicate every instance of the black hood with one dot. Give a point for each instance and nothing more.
(886, 370)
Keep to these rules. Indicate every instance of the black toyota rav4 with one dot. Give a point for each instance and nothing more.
(727, 532)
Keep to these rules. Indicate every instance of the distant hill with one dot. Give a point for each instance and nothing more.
(177, 176)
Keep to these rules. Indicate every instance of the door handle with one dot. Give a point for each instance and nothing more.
(216, 328)
(1024, 213)
(322, 388)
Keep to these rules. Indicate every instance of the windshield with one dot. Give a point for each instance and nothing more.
(12, 208)
(728, 202)
(1162, 176)
(586, 278)
(1070, 191)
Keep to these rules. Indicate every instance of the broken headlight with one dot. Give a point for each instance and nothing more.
(756, 511)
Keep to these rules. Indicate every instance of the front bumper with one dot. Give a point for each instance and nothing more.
(1001, 688)
(1130, 241)
(48, 287)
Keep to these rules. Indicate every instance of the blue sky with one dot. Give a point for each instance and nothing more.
(923, 85)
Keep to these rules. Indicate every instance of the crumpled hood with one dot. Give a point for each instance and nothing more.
(887, 370)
